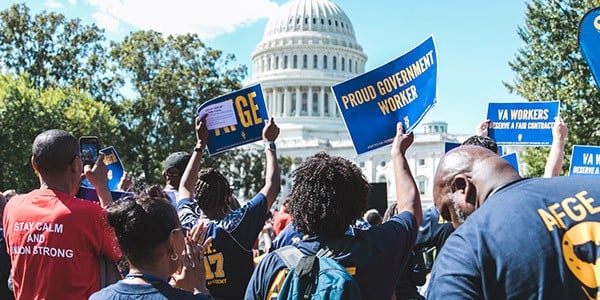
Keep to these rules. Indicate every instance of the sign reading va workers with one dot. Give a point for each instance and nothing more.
(522, 123)
(234, 119)
(401, 90)
(585, 161)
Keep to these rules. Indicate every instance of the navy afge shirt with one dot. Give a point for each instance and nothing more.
(533, 239)
(229, 260)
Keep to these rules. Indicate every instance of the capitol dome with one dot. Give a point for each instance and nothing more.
(307, 46)
(309, 16)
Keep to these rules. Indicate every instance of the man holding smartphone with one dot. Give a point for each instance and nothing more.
(54, 239)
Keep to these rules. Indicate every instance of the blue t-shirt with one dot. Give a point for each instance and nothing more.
(433, 232)
(375, 254)
(148, 291)
(229, 260)
(533, 239)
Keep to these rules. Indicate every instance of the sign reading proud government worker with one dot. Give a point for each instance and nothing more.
(585, 161)
(401, 90)
(522, 123)
(234, 119)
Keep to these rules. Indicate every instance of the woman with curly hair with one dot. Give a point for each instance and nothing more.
(328, 194)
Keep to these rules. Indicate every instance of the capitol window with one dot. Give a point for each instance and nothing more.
(295, 63)
(285, 62)
(305, 61)
(293, 110)
(326, 106)
(324, 61)
(334, 62)
(343, 64)
(315, 104)
(350, 65)
(276, 62)
(304, 108)
(315, 59)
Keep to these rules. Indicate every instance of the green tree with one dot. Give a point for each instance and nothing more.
(26, 111)
(56, 51)
(550, 67)
(170, 77)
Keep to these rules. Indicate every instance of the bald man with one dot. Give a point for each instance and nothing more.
(535, 238)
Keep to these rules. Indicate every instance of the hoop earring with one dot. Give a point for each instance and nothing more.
(174, 258)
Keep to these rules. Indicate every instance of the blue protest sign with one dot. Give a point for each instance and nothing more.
(114, 166)
(234, 119)
(500, 150)
(449, 146)
(89, 193)
(513, 160)
(401, 90)
(589, 41)
(522, 123)
(585, 161)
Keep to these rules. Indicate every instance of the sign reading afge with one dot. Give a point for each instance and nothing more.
(522, 123)
(585, 161)
(401, 90)
(234, 119)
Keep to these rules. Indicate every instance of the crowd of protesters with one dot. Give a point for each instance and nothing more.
(491, 233)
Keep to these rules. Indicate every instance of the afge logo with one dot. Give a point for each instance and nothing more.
(581, 245)
(597, 23)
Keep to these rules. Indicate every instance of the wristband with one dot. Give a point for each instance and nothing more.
(270, 145)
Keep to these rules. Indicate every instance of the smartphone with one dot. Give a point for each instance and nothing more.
(88, 149)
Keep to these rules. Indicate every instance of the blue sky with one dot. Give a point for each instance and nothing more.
(475, 39)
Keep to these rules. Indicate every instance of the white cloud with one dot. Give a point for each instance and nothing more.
(52, 4)
(106, 21)
(72, 2)
(207, 18)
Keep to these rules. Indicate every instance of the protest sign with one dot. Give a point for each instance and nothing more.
(449, 146)
(522, 123)
(401, 90)
(585, 161)
(114, 166)
(89, 193)
(234, 119)
(589, 41)
(513, 160)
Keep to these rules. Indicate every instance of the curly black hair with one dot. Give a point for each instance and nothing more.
(328, 194)
(142, 223)
(483, 141)
(212, 193)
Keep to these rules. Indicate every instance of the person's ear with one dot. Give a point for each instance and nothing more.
(463, 187)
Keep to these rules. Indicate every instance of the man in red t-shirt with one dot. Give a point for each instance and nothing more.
(282, 218)
(54, 239)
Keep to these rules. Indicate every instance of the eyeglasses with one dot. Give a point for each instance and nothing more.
(182, 229)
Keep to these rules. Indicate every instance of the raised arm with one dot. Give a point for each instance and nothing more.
(190, 175)
(556, 156)
(272, 176)
(97, 175)
(482, 129)
(407, 194)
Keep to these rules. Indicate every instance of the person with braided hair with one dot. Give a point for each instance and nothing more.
(328, 194)
(229, 260)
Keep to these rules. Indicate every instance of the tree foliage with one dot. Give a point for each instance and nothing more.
(170, 78)
(139, 95)
(56, 51)
(26, 111)
(550, 67)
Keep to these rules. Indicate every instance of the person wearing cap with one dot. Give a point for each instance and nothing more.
(173, 169)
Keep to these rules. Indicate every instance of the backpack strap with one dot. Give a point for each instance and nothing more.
(290, 255)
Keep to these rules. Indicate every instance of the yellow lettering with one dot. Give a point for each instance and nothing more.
(557, 215)
(569, 210)
(248, 117)
(587, 202)
(546, 217)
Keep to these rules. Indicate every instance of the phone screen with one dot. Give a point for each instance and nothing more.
(88, 147)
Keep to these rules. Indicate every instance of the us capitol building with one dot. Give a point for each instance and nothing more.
(307, 47)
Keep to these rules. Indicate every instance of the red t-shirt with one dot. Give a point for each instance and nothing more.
(54, 241)
(280, 221)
